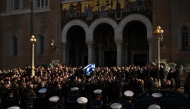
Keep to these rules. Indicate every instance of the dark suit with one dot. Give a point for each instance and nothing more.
(186, 86)
(72, 102)
(96, 104)
(162, 71)
(41, 103)
(127, 105)
(177, 78)
(10, 101)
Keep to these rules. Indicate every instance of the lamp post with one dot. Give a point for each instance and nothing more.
(33, 40)
(159, 33)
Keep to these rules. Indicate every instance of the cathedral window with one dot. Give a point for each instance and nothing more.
(42, 3)
(40, 44)
(16, 4)
(185, 38)
(13, 5)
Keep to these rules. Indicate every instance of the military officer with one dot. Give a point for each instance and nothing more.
(156, 98)
(14, 107)
(41, 102)
(128, 104)
(10, 100)
(72, 100)
(116, 106)
(97, 103)
(154, 106)
(54, 102)
(82, 101)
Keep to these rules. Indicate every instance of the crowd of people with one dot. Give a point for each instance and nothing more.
(20, 88)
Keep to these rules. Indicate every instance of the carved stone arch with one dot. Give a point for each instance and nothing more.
(103, 20)
(145, 21)
(69, 25)
(140, 18)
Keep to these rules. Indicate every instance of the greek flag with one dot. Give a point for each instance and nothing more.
(89, 68)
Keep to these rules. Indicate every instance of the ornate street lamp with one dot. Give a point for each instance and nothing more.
(159, 33)
(33, 40)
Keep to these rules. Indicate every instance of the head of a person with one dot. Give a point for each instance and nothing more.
(54, 101)
(82, 101)
(156, 97)
(42, 92)
(74, 91)
(14, 107)
(97, 93)
(10, 93)
(30, 91)
(177, 67)
(116, 106)
(129, 95)
(154, 106)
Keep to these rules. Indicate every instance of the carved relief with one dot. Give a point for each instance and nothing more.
(89, 43)
(119, 42)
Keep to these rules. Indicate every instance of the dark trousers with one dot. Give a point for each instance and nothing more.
(177, 81)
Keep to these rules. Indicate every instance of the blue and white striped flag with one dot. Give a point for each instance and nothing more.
(89, 68)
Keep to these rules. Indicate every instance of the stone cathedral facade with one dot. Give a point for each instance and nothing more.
(104, 32)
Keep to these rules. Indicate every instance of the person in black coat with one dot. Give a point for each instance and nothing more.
(82, 103)
(162, 71)
(186, 87)
(177, 77)
(41, 102)
(58, 91)
(156, 99)
(150, 85)
(88, 89)
(10, 100)
(128, 103)
(97, 103)
(54, 102)
(170, 74)
(71, 102)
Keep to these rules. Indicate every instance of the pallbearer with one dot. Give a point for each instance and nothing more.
(54, 102)
(41, 102)
(72, 100)
(14, 107)
(157, 97)
(154, 106)
(116, 106)
(82, 101)
(128, 104)
(97, 103)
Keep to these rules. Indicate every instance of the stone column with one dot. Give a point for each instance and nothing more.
(126, 52)
(100, 60)
(119, 52)
(90, 46)
(93, 54)
(77, 55)
(64, 53)
(67, 55)
(150, 41)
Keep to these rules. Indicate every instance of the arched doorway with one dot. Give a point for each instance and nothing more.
(78, 51)
(105, 47)
(135, 43)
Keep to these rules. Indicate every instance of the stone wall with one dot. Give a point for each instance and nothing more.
(179, 15)
(46, 22)
(19, 26)
(161, 17)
